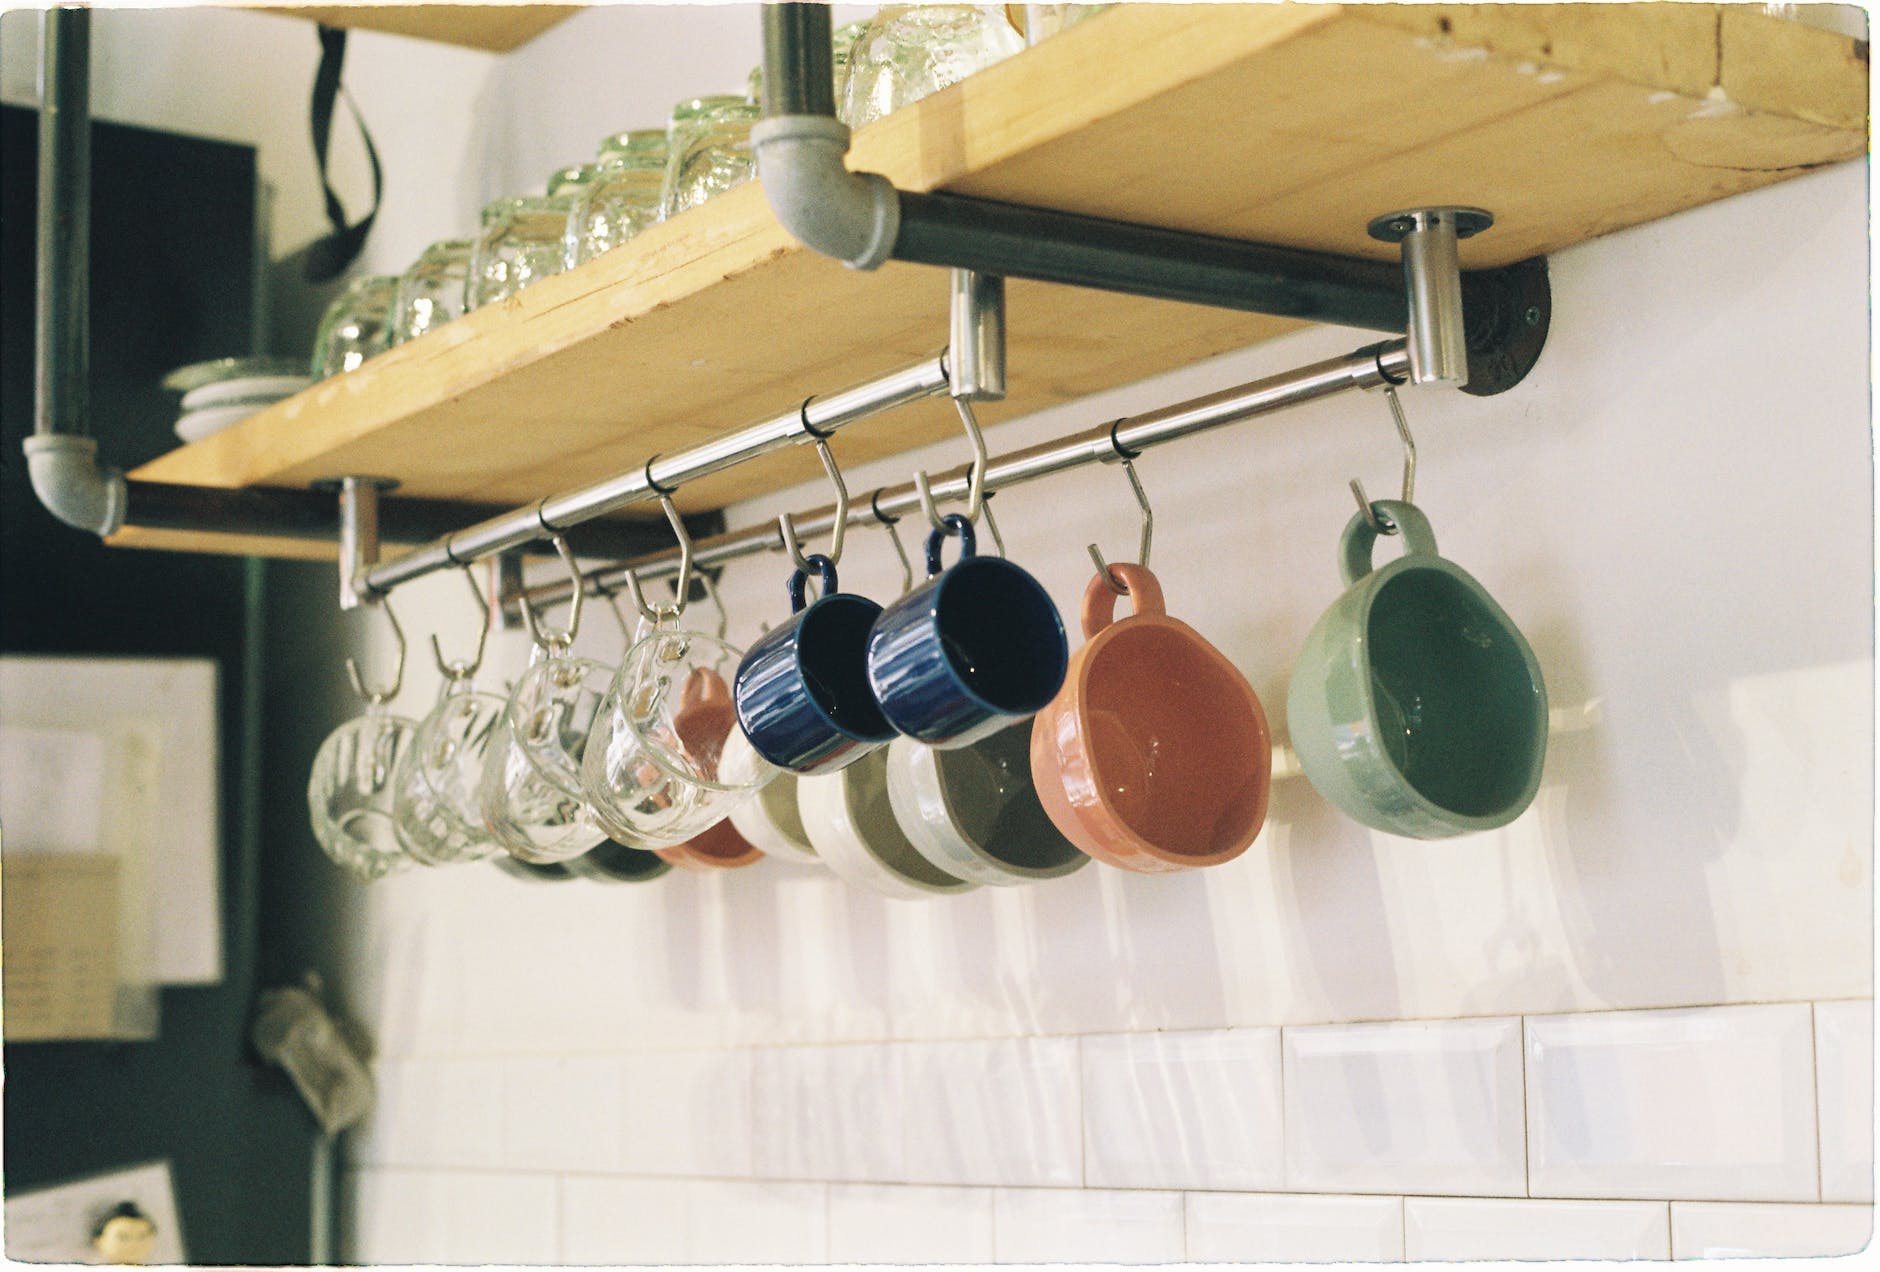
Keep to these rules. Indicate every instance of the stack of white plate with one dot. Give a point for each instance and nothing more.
(223, 392)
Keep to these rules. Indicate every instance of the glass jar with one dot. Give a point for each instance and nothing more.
(910, 51)
(708, 149)
(1039, 22)
(524, 237)
(841, 46)
(622, 199)
(355, 326)
(431, 292)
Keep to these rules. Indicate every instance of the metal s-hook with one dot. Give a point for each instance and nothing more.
(456, 671)
(1384, 525)
(682, 584)
(992, 528)
(1144, 537)
(975, 476)
(894, 536)
(786, 524)
(375, 695)
(548, 638)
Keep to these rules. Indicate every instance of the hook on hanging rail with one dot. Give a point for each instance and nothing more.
(1382, 524)
(546, 637)
(466, 668)
(682, 581)
(894, 536)
(975, 475)
(786, 523)
(1145, 536)
(376, 695)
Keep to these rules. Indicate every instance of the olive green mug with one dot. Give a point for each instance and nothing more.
(1416, 706)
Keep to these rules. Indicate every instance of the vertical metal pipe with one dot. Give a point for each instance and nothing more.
(976, 348)
(1432, 277)
(61, 363)
(798, 77)
(358, 538)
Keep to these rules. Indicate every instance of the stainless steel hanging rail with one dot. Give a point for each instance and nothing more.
(1374, 365)
(819, 416)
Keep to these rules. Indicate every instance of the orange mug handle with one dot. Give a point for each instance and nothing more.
(1145, 597)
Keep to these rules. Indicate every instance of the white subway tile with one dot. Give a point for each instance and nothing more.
(1707, 1103)
(561, 1114)
(1183, 1110)
(1293, 1228)
(492, 1218)
(898, 1224)
(1407, 1108)
(434, 1112)
(1844, 1085)
(993, 1112)
(744, 1222)
(1053, 1225)
(1458, 1228)
(393, 1216)
(615, 1221)
(1721, 1230)
(827, 1113)
(686, 1113)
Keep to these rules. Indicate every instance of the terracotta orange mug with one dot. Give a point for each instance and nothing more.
(717, 847)
(1155, 755)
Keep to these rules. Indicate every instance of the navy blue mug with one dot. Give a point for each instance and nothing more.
(969, 651)
(802, 693)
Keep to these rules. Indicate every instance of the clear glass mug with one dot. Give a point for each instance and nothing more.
(437, 808)
(708, 150)
(651, 771)
(431, 292)
(530, 791)
(351, 794)
(355, 326)
(622, 199)
(911, 51)
(524, 238)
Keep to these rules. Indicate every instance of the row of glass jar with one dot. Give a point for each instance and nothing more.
(903, 54)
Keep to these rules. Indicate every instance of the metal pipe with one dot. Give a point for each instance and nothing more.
(1374, 365)
(358, 538)
(62, 351)
(976, 318)
(797, 39)
(1432, 280)
(1142, 260)
(663, 473)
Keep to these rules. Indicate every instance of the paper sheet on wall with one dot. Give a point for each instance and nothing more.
(155, 720)
(55, 1225)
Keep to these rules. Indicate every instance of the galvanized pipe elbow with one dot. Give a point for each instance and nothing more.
(852, 216)
(69, 481)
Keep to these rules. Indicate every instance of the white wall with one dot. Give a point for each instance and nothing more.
(1637, 1021)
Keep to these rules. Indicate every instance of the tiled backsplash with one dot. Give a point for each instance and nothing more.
(1635, 1022)
(1082, 1149)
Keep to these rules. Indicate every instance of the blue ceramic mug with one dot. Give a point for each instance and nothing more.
(802, 693)
(969, 651)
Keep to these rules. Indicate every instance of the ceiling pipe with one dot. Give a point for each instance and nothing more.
(61, 461)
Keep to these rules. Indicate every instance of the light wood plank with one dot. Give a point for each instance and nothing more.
(497, 28)
(1277, 123)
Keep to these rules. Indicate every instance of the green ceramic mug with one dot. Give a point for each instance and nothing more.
(1416, 706)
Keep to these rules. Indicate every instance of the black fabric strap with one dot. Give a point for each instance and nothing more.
(329, 257)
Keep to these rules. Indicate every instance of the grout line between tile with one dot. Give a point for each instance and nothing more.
(1527, 1150)
(1814, 1074)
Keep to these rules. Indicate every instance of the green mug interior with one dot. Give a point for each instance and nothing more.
(989, 796)
(1456, 702)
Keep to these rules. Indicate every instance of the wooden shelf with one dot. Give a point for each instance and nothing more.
(497, 28)
(1285, 124)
